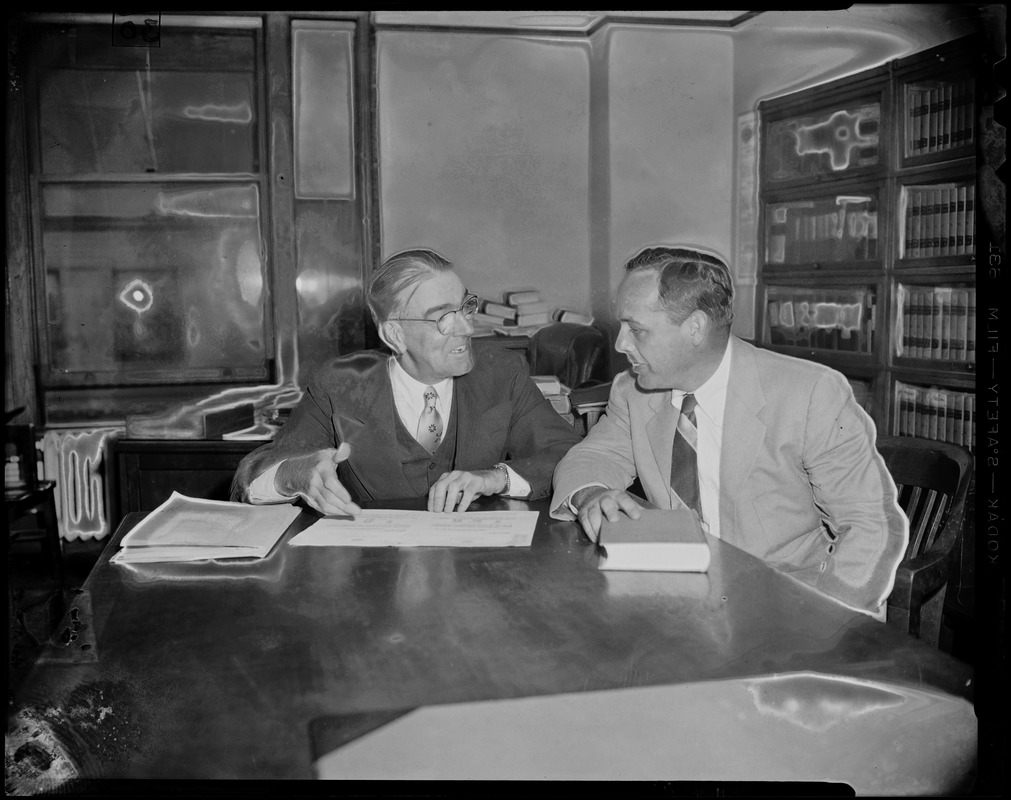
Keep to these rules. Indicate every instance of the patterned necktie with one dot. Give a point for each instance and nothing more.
(430, 423)
(684, 462)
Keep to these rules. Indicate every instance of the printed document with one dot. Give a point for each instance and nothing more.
(398, 528)
(192, 529)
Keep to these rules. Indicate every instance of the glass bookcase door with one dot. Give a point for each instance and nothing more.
(937, 220)
(934, 411)
(825, 229)
(830, 319)
(938, 117)
(935, 323)
(835, 141)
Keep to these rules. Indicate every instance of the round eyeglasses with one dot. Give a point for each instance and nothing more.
(468, 308)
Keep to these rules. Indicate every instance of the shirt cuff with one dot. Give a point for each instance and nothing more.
(568, 500)
(261, 489)
(517, 486)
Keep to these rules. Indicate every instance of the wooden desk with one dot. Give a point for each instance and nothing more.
(216, 670)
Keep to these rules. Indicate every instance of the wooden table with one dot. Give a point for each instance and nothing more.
(217, 670)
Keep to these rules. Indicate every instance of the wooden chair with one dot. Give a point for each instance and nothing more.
(933, 481)
(31, 503)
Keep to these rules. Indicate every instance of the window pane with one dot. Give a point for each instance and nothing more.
(324, 167)
(112, 121)
(154, 281)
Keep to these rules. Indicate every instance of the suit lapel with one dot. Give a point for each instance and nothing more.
(370, 423)
(743, 432)
(660, 429)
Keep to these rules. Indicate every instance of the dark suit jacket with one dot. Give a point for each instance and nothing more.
(502, 416)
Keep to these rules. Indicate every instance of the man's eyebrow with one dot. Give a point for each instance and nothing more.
(443, 306)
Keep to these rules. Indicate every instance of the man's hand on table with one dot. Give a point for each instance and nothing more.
(457, 489)
(313, 477)
(594, 503)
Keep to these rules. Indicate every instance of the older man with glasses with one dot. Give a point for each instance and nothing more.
(434, 419)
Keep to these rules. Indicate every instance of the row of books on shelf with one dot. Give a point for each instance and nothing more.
(938, 220)
(840, 229)
(522, 312)
(939, 116)
(936, 322)
(824, 319)
(933, 413)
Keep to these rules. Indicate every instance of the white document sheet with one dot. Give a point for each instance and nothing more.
(194, 529)
(396, 528)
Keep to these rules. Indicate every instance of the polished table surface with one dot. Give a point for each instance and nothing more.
(217, 669)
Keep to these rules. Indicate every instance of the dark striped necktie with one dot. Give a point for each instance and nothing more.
(684, 462)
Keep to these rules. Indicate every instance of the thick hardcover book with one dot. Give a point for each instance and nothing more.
(500, 310)
(538, 318)
(659, 541)
(519, 297)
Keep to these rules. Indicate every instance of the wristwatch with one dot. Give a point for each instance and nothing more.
(505, 473)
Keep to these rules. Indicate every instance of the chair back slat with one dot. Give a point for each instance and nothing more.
(939, 519)
(918, 512)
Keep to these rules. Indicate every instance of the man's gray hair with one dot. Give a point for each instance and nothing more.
(387, 292)
(688, 280)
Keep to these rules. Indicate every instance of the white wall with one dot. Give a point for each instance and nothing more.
(483, 156)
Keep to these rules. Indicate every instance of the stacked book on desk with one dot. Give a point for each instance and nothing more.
(522, 312)
(555, 391)
(192, 529)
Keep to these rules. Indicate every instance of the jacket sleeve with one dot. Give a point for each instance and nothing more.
(603, 457)
(856, 496)
(308, 429)
(538, 437)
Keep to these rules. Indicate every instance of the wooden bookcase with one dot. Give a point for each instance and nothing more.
(869, 223)
(867, 238)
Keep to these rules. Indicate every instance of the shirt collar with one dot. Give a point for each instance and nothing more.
(711, 395)
(411, 386)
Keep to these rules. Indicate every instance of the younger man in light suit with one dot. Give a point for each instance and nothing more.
(437, 418)
(782, 458)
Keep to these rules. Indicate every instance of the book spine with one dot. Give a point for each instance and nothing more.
(958, 436)
(914, 106)
(937, 324)
(970, 219)
(959, 313)
(970, 327)
(902, 334)
(969, 434)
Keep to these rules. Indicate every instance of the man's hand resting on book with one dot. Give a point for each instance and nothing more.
(314, 478)
(596, 502)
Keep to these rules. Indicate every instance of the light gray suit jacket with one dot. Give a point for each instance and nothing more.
(802, 485)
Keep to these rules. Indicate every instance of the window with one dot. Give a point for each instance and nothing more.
(148, 186)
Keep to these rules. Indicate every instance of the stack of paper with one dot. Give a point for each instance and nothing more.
(191, 529)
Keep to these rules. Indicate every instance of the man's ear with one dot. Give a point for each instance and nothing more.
(698, 326)
(393, 336)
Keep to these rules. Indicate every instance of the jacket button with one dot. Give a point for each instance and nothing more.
(432, 465)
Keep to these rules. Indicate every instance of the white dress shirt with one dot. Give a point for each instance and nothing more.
(409, 400)
(711, 399)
